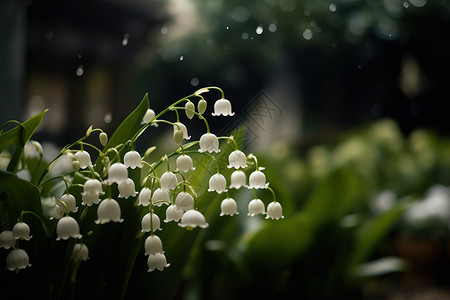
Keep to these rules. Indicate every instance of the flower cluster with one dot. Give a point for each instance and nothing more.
(111, 180)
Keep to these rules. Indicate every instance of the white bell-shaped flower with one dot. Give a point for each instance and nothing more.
(228, 207)
(168, 181)
(160, 196)
(93, 186)
(238, 179)
(90, 198)
(57, 211)
(70, 202)
(157, 261)
(7, 239)
(127, 188)
(222, 107)
(256, 207)
(173, 213)
(183, 128)
(193, 218)
(209, 143)
(67, 227)
(274, 211)
(132, 159)
(237, 159)
(149, 116)
(144, 196)
(149, 222)
(184, 163)
(117, 173)
(17, 259)
(184, 201)
(153, 245)
(83, 158)
(80, 252)
(257, 180)
(21, 231)
(217, 183)
(107, 211)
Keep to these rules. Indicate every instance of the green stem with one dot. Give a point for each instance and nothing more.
(46, 230)
(251, 156)
(230, 138)
(273, 194)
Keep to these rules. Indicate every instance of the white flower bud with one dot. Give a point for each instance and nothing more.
(80, 252)
(184, 201)
(21, 231)
(157, 261)
(108, 210)
(228, 207)
(237, 160)
(144, 196)
(201, 106)
(153, 245)
(149, 115)
(150, 222)
(132, 159)
(274, 211)
(184, 163)
(160, 196)
(238, 179)
(70, 202)
(222, 107)
(84, 158)
(7, 239)
(103, 137)
(257, 180)
(127, 188)
(173, 213)
(182, 127)
(178, 137)
(117, 173)
(190, 108)
(168, 181)
(193, 218)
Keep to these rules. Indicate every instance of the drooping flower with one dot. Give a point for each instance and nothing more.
(160, 196)
(150, 222)
(67, 227)
(228, 207)
(173, 213)
(209, 142)
(70, 202)
(238, 179)
(107, 211)
(222, 107)
(92, 188)
(184, 163)
(17, 259)
(168, 181)
(184, 201)
(7, 239)
(80, 252)
(117, 173)
(256, 207)
(183, 128)
(257, 180)
(153, 245)
(237, 159)
(149, 115)
(132, 159)
(217, 183)
(190, 109)
(157, 261)
(127, 188)
(193, 218)
(144, 196)
(21, 231)
(57, 211)
(274, 211)
(83, 158)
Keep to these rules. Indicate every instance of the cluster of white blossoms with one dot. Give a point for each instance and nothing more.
(159, 187)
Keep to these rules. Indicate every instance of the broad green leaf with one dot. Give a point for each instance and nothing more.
(14, 136)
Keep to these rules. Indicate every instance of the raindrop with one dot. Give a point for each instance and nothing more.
(49, 35)
(307, 34)
(164, 30)
(195, 81)
(80, 70)
(406, 4)
(259, 29)
(332, 7)
(181, 58)
(125, 39)
(418, 3)
(272, 27)
(108, 118)
(228, 27)
(244, 36)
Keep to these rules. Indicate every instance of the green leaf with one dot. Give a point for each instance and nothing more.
(14, 136)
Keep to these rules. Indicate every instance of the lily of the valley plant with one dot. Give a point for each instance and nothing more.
(158, 187)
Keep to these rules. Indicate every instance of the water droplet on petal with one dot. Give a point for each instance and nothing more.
(125, 39)
(259, 29)
(228, 27)
(80, 70)
(181, 58)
